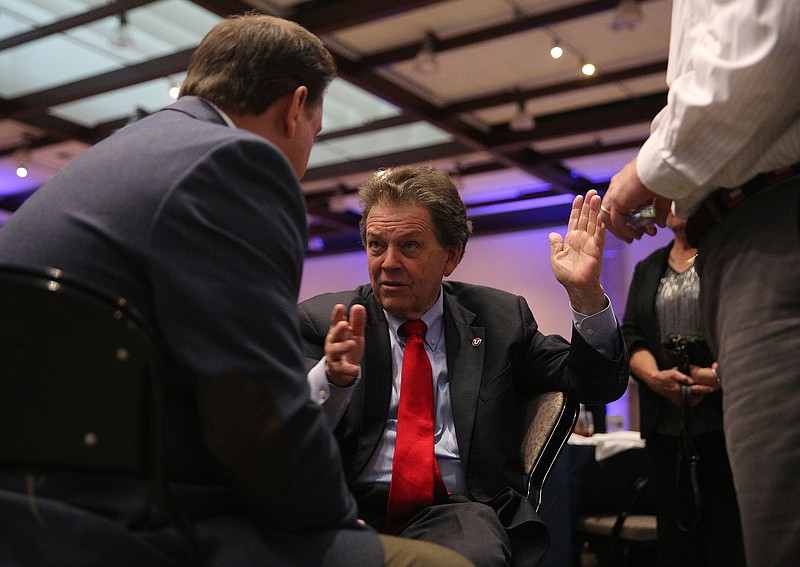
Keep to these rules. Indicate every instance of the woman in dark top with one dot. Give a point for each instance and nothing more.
(680, 405)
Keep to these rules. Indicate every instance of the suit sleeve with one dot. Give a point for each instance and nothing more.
(575, 367)
(227, 250)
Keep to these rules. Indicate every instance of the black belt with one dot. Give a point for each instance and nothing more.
(721, 201)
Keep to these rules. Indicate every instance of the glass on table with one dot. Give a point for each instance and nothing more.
(585, 424)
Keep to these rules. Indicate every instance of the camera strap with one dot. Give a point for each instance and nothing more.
(686, 475)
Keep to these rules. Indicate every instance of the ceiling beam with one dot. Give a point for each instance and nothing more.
(512, 96)
(380, 124)
(580, 121)
(225, 8)
(370, 164)
(110, 81)
(327, 17)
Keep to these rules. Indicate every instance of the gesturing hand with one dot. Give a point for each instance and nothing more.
(577, 259)
(344, 344)
(626, 193)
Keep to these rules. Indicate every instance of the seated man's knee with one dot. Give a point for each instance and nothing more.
(402, 552)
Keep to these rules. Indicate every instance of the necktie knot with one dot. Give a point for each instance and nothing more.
(415, 327)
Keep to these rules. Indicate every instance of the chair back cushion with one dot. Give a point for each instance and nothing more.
(549, 420)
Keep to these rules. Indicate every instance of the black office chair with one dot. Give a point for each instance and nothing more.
(80, 383)
(550, 418)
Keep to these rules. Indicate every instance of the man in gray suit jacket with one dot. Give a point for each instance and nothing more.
(195, 216)
(487, 357)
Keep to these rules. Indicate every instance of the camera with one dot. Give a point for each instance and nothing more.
(683, 350)
(640, 218)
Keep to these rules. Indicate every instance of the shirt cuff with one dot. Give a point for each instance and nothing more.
(600, 331)
(318, 383)
(334, 399)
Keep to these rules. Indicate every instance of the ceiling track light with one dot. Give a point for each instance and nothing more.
(627, 15)
(22, 159)
(426, 61)
(175, 90)
(522, 121)
(121, 36)
(556, 51)
(559, 48)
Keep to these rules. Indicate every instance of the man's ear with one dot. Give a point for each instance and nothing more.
(297, 104)
(454, 255)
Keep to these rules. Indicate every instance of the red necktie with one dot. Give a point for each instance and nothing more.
(416, 480)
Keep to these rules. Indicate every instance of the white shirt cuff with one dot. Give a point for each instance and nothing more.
(333, 399)
(600, 331)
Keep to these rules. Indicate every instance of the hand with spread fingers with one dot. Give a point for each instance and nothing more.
(344, 344)
(627, 193)
(577, 258)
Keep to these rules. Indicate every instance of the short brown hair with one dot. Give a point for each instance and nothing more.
(421, 185)
(247, 62)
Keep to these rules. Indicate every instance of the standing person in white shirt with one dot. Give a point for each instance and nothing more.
(725, 153)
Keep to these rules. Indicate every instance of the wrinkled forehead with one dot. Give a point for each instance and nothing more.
(399, 219)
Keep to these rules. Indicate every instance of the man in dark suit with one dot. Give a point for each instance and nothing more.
(487, 357)
(195, 216)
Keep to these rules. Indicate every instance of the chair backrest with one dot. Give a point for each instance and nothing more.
(80, 384)
(79, 378)
(550, 418)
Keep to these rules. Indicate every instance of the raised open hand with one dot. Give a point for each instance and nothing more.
(577, 258)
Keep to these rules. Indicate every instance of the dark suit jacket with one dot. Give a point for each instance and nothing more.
(202, 228)
(489, 383)
(641, 330)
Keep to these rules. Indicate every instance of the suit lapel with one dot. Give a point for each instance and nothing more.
(465, 351)
(377, 383)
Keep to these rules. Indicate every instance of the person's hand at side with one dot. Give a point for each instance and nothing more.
(577, 258)
(344, 344)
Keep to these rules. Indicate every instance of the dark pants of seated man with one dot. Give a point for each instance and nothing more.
(471, 528)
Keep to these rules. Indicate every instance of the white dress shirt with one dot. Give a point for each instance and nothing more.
(599, 331)
(733, 108)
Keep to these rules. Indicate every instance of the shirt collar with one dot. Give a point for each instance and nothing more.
(221, 112)
(433, 319)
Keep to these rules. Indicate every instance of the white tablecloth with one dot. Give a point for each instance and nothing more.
(609, 444)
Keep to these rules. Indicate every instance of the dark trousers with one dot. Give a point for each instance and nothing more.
(749, 268)
(471, 528)
(716, 540)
